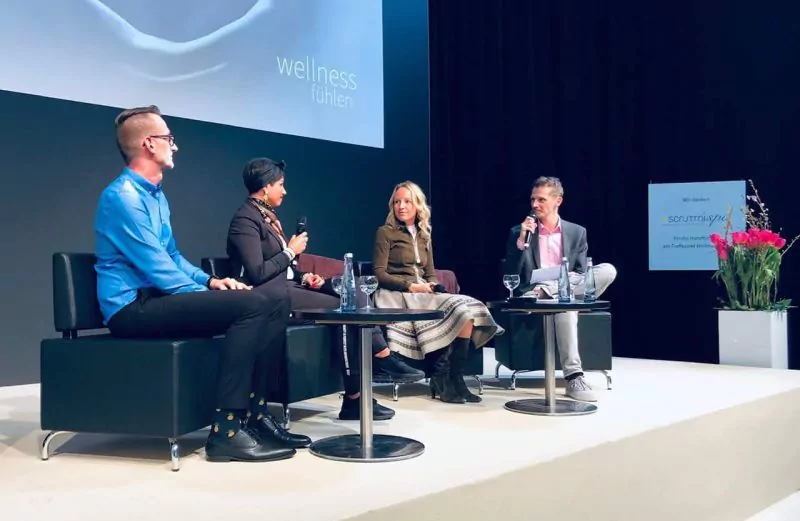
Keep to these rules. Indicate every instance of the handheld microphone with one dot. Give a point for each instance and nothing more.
(528, 234)
(302, 225)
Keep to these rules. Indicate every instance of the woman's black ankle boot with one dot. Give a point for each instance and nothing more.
(441, 381)
(458, 360)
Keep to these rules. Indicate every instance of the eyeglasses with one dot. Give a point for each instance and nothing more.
(169, 137)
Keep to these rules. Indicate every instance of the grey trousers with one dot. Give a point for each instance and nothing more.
(567, 323)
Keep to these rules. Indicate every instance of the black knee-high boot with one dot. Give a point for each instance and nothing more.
(458, 360)
(441, 382)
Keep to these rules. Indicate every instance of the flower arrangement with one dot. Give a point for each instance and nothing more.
(750, 261)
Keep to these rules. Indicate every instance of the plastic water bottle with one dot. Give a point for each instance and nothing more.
(590, 293)
(564, 289)
(348, 298)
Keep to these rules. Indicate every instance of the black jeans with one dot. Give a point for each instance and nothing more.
(252, 324)
(349, 354)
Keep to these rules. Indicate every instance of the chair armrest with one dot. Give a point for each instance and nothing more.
(325, 267)
(447, 278)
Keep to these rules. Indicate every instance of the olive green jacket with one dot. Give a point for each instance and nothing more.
(394, 259)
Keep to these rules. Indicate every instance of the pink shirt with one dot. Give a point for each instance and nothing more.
(550, 247)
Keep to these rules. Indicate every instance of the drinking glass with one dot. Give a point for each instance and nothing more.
(336, 283)
(368, 285)
(511, 282)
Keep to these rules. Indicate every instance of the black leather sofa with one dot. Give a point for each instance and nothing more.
(92, 382)
(327, 267)
(312, 368)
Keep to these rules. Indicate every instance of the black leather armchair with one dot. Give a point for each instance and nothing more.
(521, 348)
(100, 384)
(92, 382)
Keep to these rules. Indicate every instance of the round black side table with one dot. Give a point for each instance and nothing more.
(549, 405)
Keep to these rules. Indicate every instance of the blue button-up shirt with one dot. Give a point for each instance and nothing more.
(135, 247)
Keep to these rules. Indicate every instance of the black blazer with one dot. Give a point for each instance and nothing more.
(256, 251)
(524, 262)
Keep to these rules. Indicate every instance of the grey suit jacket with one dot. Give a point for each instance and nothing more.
(573, 239)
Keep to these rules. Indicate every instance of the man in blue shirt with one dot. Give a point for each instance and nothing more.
(146, 288)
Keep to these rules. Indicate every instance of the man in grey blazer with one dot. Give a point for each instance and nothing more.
(553, 238)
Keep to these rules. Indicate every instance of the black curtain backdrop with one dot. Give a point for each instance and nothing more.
(611, 96)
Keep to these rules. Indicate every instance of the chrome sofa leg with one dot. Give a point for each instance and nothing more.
(395, 391)
(480, 383)
(175, 454)
(287, 417)
(513, 385)
(46, 443)
(608, 379)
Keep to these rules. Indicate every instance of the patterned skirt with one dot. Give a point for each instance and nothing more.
(418, 338)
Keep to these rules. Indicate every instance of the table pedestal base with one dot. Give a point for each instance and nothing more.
(540, 407)
(350, 448)
(550, 405)
(366, 446)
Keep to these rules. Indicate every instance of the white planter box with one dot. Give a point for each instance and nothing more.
(754, 338)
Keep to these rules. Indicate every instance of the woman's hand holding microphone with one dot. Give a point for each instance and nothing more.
(298, 243)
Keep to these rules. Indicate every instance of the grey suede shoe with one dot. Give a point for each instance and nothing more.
(578, 389)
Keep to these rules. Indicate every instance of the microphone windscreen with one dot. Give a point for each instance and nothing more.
(301, 225)
(528, 234)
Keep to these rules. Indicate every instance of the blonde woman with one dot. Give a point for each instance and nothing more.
(403, 263)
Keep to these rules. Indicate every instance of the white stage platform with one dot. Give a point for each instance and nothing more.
(670, 441)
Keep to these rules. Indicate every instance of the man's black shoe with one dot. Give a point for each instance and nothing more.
(351, 410)
(393, 369)
(268, 427)
(245, 445)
